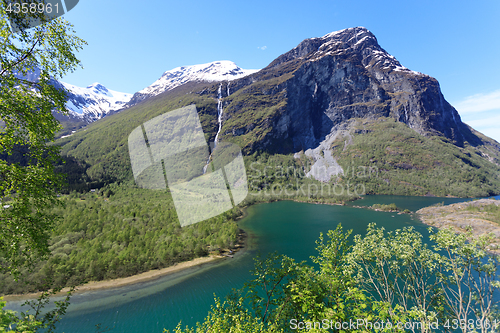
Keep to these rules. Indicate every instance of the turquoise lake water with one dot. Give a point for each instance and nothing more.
(288, 227)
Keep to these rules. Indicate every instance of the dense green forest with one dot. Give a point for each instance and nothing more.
(119, 231)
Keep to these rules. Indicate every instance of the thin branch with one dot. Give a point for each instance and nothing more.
(24, 57)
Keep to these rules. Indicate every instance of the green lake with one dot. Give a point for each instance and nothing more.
(288, 227)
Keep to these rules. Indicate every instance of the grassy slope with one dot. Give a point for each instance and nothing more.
(480, 217)
(411, 164)
(103, 144)
(489, 212)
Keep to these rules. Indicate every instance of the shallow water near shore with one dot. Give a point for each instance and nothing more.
(288, 227)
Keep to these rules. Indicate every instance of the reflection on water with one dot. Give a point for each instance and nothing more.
(288, 227)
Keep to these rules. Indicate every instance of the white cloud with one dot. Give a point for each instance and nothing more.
(482, 112)
(479, 103)
(262, 47)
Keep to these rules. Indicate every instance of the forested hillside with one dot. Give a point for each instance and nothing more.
(117, 232)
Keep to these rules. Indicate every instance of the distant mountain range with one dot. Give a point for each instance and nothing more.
(93, 102)
(331, 104)
(96, 101)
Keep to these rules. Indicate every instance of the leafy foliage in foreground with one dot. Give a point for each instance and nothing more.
(380, 279)
(122, 232)
(29, 60)
(39, 319)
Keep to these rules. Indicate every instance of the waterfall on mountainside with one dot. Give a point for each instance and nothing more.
(219, 113)
(219, 119)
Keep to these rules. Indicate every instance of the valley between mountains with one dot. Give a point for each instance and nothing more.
(332, 103)
(334, 113)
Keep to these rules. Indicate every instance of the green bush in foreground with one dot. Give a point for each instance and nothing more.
(38, 320)
(382, 278)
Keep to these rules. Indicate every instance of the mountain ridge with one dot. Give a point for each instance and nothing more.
(215, 71)
(94, 101)
(351, 71)
(91, 103)
(318, 101)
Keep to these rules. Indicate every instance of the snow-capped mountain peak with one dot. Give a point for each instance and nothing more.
(211, 72)
(98, 88)
(93, 102)
(96, 101)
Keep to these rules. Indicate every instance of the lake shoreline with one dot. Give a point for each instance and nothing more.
(460, 219)
(151, 275)
(147, 276)
(124, 281)
(241, 243)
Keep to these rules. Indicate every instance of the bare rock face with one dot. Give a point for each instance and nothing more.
(343, 75)
(349, 75)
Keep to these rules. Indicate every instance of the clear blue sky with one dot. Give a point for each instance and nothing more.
(131, 43)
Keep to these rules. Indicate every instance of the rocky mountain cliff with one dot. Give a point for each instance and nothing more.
(307, 99)
(325, 81)
(331, 105)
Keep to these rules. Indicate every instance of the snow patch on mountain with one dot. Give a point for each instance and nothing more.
(363, 40)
